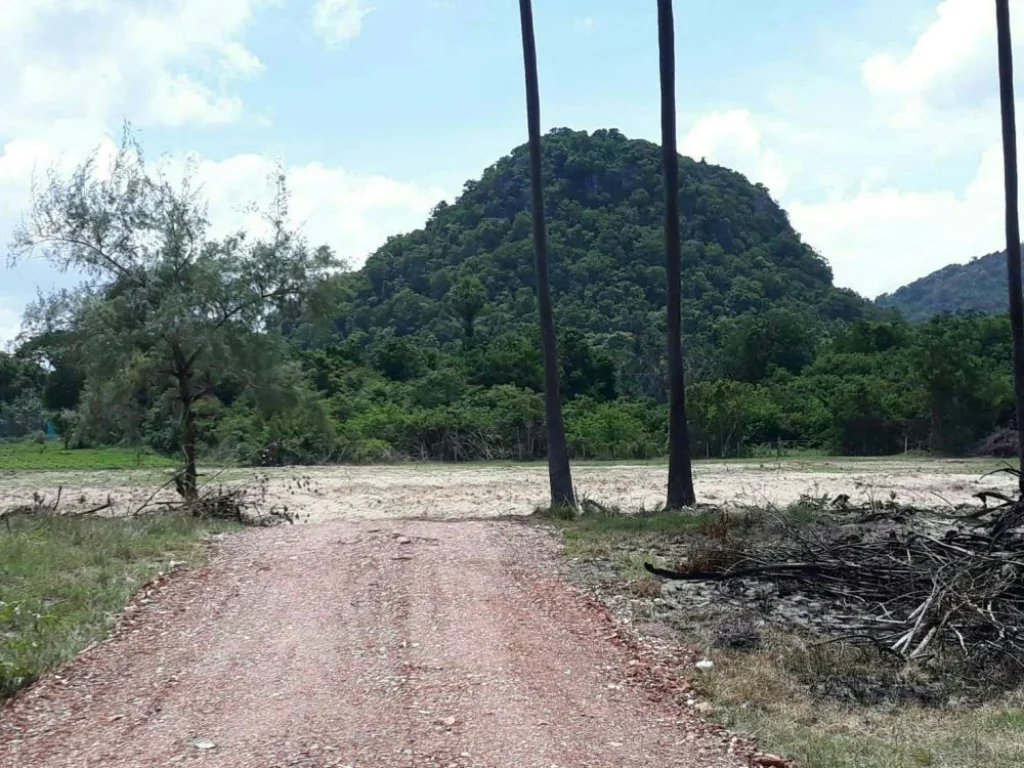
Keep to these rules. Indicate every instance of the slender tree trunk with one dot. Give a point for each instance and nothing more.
(680, 473)
(558, 454)
(188, 486)
(1013, 268)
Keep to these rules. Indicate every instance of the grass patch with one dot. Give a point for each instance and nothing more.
(53, 456)
(600, 535)
(63, 582)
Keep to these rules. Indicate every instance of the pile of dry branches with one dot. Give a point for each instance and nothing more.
(247, 504)
(909, 581)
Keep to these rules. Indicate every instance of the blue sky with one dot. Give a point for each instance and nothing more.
(874, 122)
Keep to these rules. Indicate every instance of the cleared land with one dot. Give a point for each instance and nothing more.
(779, 671)
(447, 491)
(272, 606)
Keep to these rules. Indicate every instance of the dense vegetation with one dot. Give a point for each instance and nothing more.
(432, 350)
(605, 202)
(977, 286)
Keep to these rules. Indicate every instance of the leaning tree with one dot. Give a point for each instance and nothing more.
(1012, 220)
(166, 310)
(558, 454)
(680, 473)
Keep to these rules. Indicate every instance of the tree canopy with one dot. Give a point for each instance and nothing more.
(169, 314)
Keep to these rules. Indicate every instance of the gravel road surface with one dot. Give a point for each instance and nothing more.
(362, 643)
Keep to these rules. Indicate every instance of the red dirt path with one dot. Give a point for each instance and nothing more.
(361, 644)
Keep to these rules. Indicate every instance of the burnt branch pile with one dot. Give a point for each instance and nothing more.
(914, 582)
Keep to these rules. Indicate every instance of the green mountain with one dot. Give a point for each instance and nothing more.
(979, 285)
(741, 257)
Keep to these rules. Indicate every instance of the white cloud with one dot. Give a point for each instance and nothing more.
(950, 67)
(906, 216)
(10, 320)
(63, 144)
(165, 62)
(353, 213)
(71, 69)
(880, 239)
(731, 138)
(338, 21)
(875, 231)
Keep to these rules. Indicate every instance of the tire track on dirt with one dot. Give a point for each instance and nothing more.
(394, 644)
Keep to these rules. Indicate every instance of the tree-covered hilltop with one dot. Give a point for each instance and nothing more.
(604, 203)
(977, 286)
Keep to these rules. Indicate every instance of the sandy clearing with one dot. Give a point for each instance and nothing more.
(452, 491)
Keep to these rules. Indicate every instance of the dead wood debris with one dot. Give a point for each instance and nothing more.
(911, 587)
(247, 504)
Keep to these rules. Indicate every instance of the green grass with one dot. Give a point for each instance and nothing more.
(63, 581)
(600, 535)
(53, 456)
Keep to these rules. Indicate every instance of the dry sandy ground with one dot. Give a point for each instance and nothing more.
(368, 645)
(447, 491)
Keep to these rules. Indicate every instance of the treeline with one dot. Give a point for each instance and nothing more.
(979, 285)
(875, 387)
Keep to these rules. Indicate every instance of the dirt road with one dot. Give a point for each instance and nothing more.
(361, 644)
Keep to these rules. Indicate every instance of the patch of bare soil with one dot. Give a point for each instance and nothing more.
(459, 491)
(365, 644)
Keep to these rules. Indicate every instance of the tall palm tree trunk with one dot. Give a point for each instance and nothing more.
(680, 472)
(558, 455)
(1012, 222)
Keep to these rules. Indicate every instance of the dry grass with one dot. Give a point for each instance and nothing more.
(472, 490)
(762, 693)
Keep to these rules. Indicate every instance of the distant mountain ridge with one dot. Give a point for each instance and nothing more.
(979, 285)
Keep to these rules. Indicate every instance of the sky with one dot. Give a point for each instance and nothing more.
(874, 123)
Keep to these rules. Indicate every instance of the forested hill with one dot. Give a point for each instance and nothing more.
(604, 208)
(979, 285)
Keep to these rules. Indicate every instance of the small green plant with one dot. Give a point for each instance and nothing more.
(562, 512)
